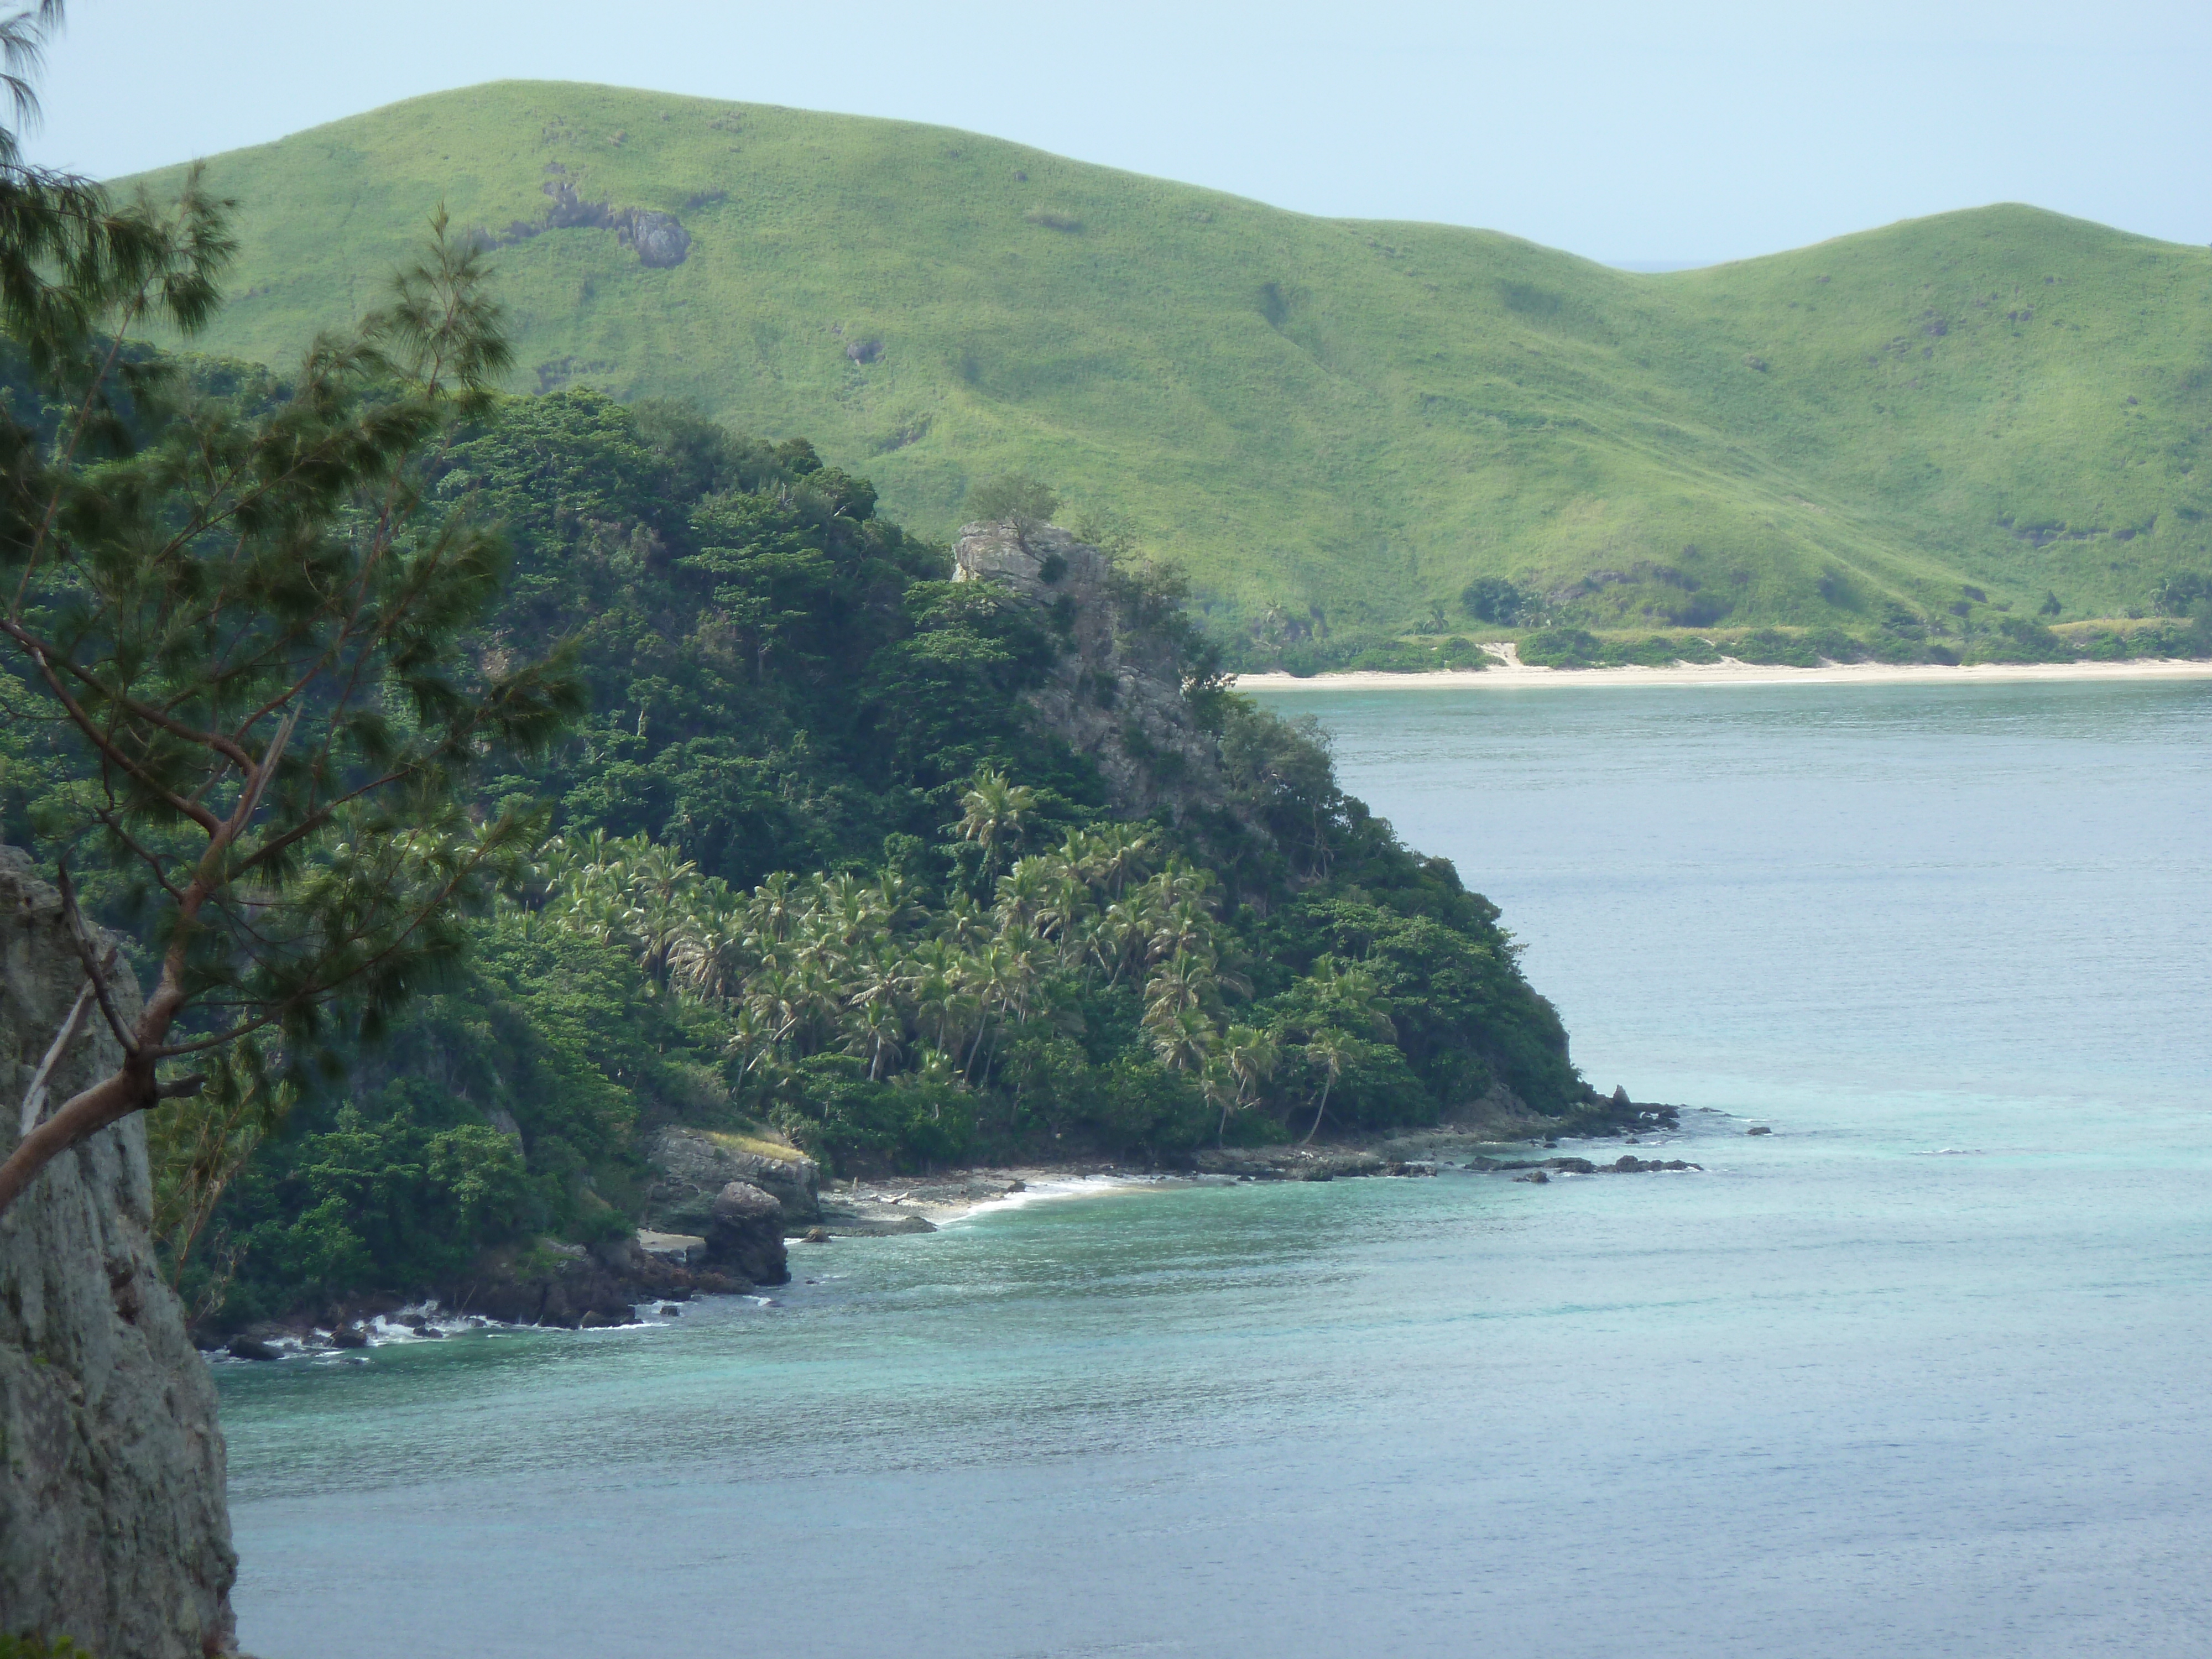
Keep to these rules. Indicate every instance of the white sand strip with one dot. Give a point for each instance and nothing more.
(1730, 672)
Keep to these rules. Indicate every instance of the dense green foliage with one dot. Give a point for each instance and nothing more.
(1345, 422)
(242, 619)
(815, 867)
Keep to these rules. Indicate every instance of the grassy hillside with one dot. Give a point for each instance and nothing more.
(1333, 417)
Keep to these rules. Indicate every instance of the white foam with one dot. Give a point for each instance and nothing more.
(1042, 1192)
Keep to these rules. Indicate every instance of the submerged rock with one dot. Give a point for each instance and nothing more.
(1293, 1162)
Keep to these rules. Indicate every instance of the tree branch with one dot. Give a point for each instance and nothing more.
(97, 970)
(34, 1097)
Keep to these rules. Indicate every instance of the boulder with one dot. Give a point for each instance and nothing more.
(660, 238)
(1759, 1129)
(693, 1165)
(1535, 1178)
(243, 1347)
(745, 1235)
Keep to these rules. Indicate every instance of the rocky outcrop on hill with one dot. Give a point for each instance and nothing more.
(659, 239)
(113, 1528)
(1116, 694)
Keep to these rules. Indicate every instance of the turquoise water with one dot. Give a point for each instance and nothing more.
(1921, 1373)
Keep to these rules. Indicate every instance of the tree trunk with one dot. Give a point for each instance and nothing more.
(1318, 1111)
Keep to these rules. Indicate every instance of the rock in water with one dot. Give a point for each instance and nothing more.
(745, 1237)
(113, 1527)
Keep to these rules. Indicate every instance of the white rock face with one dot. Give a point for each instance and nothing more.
(113, 1526)
(1116, 694)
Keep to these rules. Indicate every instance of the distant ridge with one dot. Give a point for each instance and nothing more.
(1345, 418)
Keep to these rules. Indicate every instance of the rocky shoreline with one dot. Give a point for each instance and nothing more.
(725, 1208)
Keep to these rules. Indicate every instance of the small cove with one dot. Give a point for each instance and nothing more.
(1919, 1373)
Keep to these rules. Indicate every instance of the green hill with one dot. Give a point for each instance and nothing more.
(1348, 416)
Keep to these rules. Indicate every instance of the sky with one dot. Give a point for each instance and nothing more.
(1648, 134)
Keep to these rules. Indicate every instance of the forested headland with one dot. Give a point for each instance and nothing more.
(817, 866)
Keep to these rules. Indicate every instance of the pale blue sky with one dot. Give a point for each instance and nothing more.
(1626, 132)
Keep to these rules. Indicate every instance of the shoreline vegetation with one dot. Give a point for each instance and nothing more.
(1727, 671)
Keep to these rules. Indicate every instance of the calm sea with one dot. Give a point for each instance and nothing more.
(1924, 1372)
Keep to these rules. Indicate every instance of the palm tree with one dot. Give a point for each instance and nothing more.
(773, 911)
(1122, 929)
(877, 1032)
(1251, 1055)
(1218, 1083)
(942, 1008)
(965, 925)
(1117, 854)
(1353, 998)
(1325, 1053)
(993, 814)
(1067, 902)
(1184, 982)
(714, 955)
(1182, 928)
(1022, 893)
(1183, 1039)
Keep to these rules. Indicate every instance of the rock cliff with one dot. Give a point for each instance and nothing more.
(113, 1528)
(1116, 694)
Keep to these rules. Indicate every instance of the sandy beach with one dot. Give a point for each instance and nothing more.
(1521, 676)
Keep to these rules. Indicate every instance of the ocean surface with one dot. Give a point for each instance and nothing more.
(1924, 1372)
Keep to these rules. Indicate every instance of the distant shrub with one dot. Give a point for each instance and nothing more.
(1653, 652)
(2176, 595)
(1562, 648)
(2016, 639)
(1053, 219)
(1494, 599)
(1771, 647)
(1010, 497)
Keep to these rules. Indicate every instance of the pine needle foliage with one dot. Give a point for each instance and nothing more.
(245, 618)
